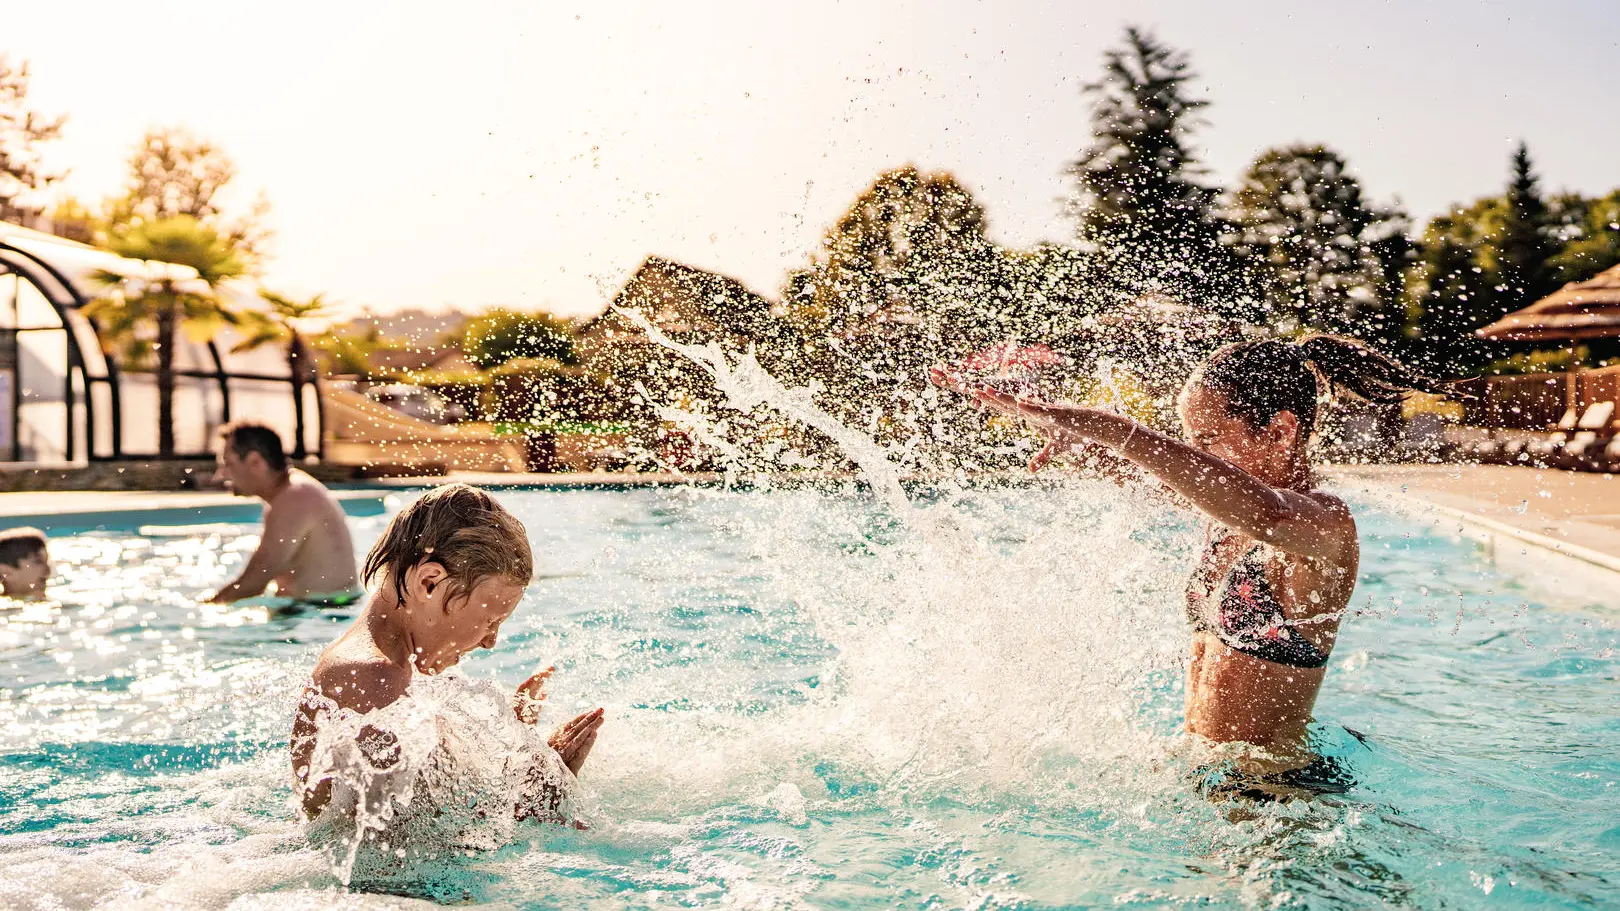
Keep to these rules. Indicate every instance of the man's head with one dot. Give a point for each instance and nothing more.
(249, 459)
(25, 565)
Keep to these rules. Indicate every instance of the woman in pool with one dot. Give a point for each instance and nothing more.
(451, 568)
(1280, 558)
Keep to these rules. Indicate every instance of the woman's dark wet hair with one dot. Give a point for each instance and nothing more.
(1262, 379)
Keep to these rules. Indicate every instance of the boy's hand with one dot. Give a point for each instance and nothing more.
(530, 695)
(573, 741)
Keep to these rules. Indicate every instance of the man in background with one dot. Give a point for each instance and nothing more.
(305, 549)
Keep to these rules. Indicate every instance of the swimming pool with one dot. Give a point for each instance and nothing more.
(814, 702)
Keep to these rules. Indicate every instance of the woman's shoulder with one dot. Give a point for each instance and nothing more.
(1338, 512)
(1340, 525)
(1333, 502)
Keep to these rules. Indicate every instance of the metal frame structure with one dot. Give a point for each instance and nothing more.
(93, 367)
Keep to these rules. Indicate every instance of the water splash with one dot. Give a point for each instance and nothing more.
(445, 768)
(971, 652)
(746, 386)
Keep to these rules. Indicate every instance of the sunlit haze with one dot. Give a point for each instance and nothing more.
(531, 153)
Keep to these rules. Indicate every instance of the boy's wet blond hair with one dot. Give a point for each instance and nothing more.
(463, 529)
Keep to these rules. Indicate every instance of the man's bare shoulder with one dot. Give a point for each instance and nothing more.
(304, 498)
(359, 680)
(302, 487)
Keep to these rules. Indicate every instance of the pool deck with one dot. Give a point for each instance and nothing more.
(1560, 525)
(76, 508)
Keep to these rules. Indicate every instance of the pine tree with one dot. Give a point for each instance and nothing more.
(1330, 259)
(1138, 204)
(1524, 241)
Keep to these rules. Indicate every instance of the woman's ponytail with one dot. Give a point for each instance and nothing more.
(1365, 372)
(1261, 379)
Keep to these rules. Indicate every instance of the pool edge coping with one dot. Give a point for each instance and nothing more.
(1418, 504)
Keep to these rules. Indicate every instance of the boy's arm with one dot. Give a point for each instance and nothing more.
(359, 687)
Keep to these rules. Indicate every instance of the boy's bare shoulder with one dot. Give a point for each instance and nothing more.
(360, 682)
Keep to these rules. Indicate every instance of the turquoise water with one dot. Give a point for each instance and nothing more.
(814, 702)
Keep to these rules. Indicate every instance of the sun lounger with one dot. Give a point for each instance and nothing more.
(1611, 455)
(1582, 447)
(1596, 415)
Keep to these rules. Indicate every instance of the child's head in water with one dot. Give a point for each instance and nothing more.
(455, 563)
(25, 565)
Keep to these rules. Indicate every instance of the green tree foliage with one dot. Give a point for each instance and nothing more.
(23, 135)
(1499, 254)
(1138, 203)
(1449, 292)
(175, 174)
(348, 353)
(912, 246)
(1588, 232)
(71, 219)
(1048, 290)
(501, 335)
(906, 278)
(1328, 258)
(279, 323)
(144, 313)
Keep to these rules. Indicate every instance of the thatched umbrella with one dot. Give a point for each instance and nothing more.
(1579, 310)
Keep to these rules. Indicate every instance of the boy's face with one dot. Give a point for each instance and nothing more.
(28, 577)
(446, 629)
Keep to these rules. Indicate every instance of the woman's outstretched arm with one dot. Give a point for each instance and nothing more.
(1286, 519)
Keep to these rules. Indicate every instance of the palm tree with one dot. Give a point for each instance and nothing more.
(280, 324)
(144, 312)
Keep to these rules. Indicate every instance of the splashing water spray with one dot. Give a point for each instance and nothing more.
(966, 660)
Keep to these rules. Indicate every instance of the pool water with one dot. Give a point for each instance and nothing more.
(818, 701)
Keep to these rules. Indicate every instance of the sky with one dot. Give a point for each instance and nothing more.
(530, 153)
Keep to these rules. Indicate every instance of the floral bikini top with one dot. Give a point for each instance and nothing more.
(1244, 613)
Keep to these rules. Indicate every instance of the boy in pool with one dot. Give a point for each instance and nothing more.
(25, 564)
(450, 568)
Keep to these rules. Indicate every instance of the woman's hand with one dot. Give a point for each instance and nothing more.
(1064, 425)
(531, 695)
(1070, 422)
(1056, 444)
(573, 741)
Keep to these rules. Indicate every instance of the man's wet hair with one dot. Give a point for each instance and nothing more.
(18, 544)
(460, 527)
(255, 436)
